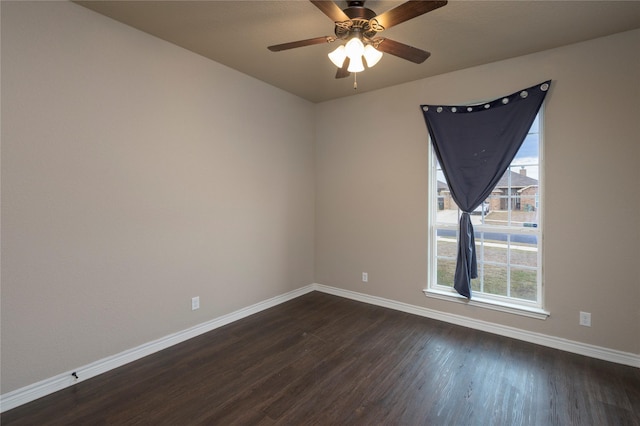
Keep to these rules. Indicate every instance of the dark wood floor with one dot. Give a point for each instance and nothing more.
(325, 360)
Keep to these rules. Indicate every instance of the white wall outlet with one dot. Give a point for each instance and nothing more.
(195, 303)
(365, 277)
(585, 319)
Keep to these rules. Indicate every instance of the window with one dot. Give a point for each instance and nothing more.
(508, 229)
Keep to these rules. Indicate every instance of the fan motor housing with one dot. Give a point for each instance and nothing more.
(359, 21)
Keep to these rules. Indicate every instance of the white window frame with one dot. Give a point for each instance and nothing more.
(533, 309)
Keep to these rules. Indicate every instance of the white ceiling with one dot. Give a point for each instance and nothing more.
(459, 35)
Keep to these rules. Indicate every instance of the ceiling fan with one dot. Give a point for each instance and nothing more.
(360, 26)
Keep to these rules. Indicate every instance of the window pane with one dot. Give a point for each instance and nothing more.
(449, 214)
(480, 214)
(513, 216)
(524, 250)
(476, 285)
(446, 271)
(447, 243)
(494, 279)
(524, 283)
(493, 246)
(528, 152)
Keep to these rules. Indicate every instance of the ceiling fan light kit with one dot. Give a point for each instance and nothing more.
(355, 50)
(359, 26)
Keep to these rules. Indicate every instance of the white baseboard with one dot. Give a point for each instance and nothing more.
(48, 386)
(45, 387)
(566, 345)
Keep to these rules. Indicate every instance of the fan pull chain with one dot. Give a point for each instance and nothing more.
(355, 81)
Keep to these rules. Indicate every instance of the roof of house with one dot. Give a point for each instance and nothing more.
(517, 181)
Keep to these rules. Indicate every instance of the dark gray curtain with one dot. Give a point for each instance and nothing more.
(475, 145)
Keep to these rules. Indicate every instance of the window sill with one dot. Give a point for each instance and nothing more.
(495, 305)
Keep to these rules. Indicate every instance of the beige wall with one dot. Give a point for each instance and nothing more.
(136, 175)
(371, 197)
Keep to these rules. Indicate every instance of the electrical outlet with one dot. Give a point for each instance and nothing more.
(195, 303)
(365, 277)
(585, 319)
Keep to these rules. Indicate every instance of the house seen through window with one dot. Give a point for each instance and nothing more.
(507, 231)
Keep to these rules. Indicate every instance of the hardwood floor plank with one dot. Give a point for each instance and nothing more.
(323, 360)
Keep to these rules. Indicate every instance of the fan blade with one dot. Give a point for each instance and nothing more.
(342, 72)
(301, 43)
(405, 11)
(401, 50)
(331, 9)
